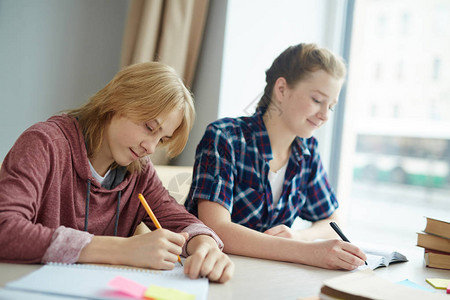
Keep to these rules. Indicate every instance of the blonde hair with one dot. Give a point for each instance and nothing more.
(297, 63)
(140, 92)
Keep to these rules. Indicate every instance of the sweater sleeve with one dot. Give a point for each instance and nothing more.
(198, 229)
(22, 177)
(29, 224)
(66, 245)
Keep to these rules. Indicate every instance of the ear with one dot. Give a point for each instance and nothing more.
(280, 89)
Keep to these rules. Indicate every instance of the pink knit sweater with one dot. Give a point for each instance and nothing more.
(45, 184)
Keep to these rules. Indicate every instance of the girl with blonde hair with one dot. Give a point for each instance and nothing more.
(69, 186)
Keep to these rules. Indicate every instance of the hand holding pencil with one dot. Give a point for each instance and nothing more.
(152, 216)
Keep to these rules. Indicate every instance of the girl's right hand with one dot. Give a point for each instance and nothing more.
(333, 254)
(158, 249)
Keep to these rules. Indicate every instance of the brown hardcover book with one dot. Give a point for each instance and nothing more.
(438, 227)
(434, 242)
(364, 285)
(437, 259)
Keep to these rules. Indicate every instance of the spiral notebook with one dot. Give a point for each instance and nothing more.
(91, 281)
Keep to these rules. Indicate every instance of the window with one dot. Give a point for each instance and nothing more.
(396, 131)
(436, 69)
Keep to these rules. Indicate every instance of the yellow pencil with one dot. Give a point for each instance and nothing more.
(152, 216)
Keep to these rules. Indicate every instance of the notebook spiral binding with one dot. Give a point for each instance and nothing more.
(111, 268)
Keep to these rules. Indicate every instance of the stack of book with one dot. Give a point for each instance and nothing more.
(435, 239)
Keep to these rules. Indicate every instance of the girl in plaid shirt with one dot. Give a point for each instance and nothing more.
(254, 175)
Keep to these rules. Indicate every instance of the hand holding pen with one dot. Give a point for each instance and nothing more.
(341, 234)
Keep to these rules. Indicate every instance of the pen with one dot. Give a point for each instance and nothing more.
(339, 232)
(152, 216)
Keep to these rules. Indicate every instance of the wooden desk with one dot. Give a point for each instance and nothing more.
(264, 279)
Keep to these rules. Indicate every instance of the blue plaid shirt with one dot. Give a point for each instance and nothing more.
(232, 168)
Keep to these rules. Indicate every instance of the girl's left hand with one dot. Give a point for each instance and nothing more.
(206, 260)
(283, 231)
